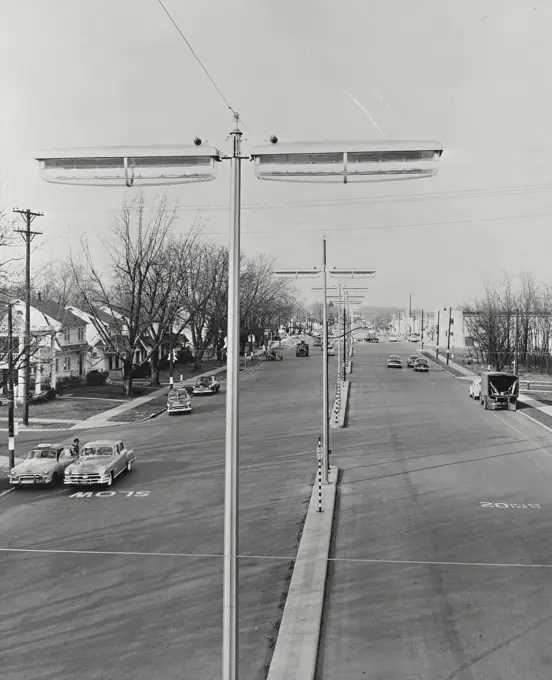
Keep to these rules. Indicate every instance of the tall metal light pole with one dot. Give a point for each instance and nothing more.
(11, 424)
(438, 331)
(344, 162)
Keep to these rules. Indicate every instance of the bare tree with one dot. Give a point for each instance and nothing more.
(138, 240)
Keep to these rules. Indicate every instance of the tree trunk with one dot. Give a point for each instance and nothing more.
(127, 377)
(154, 363)
(198, 356)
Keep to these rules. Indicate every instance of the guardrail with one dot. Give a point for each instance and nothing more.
(536, 386)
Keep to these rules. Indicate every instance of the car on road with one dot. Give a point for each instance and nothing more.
(394, 361)
(331, 351)
(100, 462)
(317, 341)
(178, 401)
(421, 365)
(206, 385)
(43, 465)
(412, 360)
(414, 337)
(393, 338)
(302, 349)
(475, 389)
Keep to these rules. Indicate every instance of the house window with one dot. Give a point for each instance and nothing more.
(67, 336)
(94, 355)
(57, 364)
(66, 363)
(80, 332)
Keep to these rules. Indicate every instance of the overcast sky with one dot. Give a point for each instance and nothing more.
(472, 74)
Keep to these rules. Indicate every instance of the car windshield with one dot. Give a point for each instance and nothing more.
(42, 453)
(421, 361)
(394, 358)
(97, 451)
(413, 356)
(179, 394)
(203, 381)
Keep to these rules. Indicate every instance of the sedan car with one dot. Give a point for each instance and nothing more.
(43, 465)
(412, 360)
(100, 462)
(394, 361)
(421, 365)
(331, 351)
(475, 389)
(206, 384)
(178, 401)
(393, 338)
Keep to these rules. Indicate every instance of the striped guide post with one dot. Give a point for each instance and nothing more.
(319, 456)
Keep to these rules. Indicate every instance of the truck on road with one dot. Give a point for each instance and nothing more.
(499, 390)
(371, 336)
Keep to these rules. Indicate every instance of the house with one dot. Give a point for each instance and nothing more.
(70, 340)
(98, 326)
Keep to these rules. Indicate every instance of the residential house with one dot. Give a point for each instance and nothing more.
(98, 326)
(71, 342)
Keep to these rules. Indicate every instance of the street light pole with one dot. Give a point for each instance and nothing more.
(231, 497)
(11, 427)
(448, 335)
(325, 387)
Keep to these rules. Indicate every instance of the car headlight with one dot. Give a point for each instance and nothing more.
(46, 472)
(13, 472)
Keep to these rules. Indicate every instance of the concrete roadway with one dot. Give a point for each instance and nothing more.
(68, 615)
(434, 574)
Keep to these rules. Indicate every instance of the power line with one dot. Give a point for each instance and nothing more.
(217, 88)
(276, 230)
(367, 200)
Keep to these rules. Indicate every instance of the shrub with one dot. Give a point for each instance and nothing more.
(137, 392)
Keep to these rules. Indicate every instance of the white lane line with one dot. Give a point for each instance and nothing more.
(529, 439)
(5, 493)
(119, 553)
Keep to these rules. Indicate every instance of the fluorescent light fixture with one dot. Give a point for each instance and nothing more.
(133, 166)
(297, 272)
(346, 161)
(352, 272)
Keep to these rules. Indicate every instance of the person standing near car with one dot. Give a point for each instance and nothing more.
(76, 446)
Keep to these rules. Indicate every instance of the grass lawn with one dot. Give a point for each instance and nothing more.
(143, 411)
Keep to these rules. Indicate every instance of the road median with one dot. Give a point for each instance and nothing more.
(296, 651)
(338, 416)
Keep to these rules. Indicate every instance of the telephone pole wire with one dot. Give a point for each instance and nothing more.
(28, 236)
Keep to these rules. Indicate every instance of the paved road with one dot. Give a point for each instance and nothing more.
(68, 615)
(423, 467)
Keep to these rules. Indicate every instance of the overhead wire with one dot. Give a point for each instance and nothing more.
(196, 57)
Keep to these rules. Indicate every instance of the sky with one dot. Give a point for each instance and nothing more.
(473, 75)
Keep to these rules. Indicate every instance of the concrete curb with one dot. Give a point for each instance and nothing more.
(296, 650)
(341, 405)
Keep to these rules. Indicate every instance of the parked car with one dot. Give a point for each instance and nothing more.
(412, 360)
(394, 361)
(475, 389)
(43, 465)
(414, 338)
(393, 338)
(421, 365)
(178, 401)
(100, 462)
(206, 384)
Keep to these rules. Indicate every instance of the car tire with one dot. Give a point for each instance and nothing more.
(129, 466)
(111, 478)
(54, 480)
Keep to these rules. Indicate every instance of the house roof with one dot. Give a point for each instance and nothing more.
(58, 312)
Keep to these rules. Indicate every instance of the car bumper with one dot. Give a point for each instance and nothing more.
(35, 480)
(179, 409)
(73, 480)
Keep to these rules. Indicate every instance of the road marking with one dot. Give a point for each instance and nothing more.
(529, 439)
(487, 504)
(5, 493)
(109, 494)
(287, 558)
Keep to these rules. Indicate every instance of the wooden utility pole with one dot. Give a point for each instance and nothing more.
(11, 427)
(28, 236)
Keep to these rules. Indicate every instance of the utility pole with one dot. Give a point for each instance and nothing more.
(516, 343)
(438, 329)
(422, 329)
(11, 428)
(448, 335)
(28, 236)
